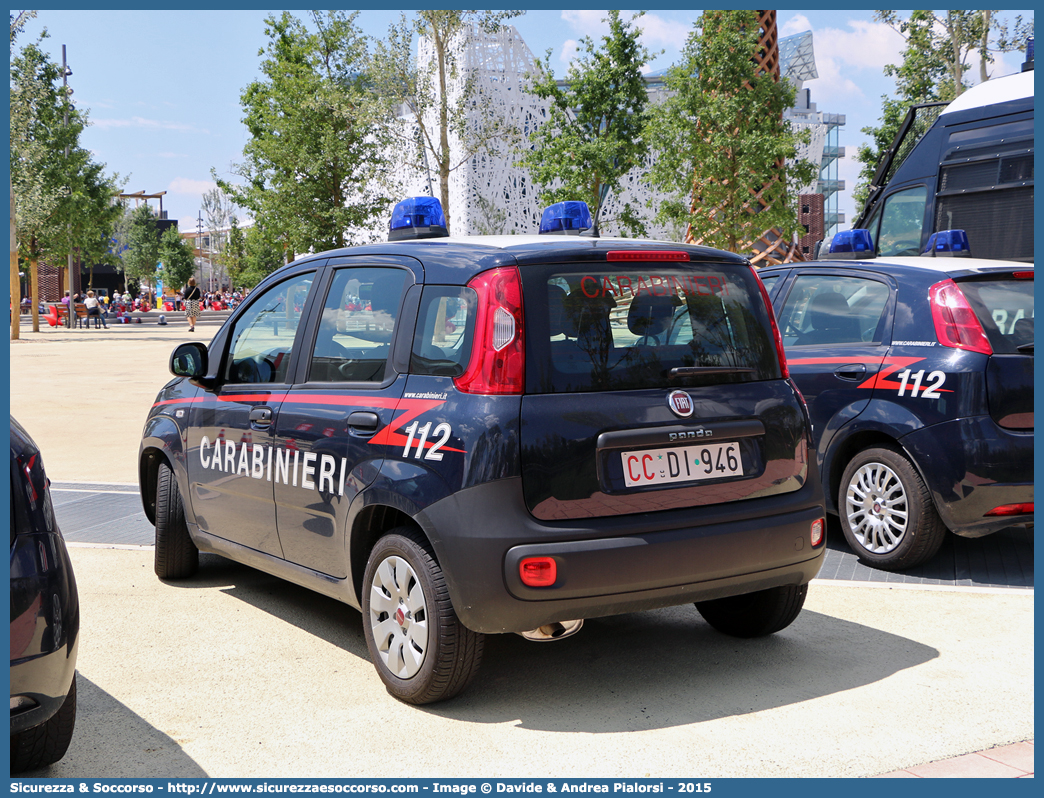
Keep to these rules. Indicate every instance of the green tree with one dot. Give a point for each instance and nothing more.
(933, 69)
(314, 166)
(234, 256)
(142, 255)
(178, 258)
(62, 198)
(424, 93)
(722, 145)
(264, 255)
(595, 134)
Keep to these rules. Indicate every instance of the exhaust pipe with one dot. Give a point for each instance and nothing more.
(558, 630)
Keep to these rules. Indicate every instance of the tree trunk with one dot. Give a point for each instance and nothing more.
(444, 150)
(957, 71)
(984, 45)
(34, 276)
(16, 286)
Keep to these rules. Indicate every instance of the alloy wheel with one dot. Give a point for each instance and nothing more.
(877, 508)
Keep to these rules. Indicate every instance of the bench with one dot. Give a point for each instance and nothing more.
(83, 319)
(59, 313)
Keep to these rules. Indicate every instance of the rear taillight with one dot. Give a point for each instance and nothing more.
(780, 354)
(956, 324)
(498, 364)
(1022, 508)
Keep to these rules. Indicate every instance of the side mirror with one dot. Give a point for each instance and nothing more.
(189, 360)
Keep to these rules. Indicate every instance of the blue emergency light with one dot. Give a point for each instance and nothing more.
(948, 244)
(565, 218)
(851, 245)
(417, 217)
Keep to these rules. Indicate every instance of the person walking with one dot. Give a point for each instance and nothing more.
(192, 297)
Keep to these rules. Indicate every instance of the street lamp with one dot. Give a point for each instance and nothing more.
(74, 279)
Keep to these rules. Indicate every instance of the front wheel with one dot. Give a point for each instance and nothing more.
(887, 514)
(757, 614)
(422, 652)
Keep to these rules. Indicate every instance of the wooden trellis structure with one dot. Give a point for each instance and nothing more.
(769, 248)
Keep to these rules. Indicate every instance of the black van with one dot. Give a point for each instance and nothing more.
(972, 169)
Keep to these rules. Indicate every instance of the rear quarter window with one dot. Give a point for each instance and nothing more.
(599, 327)
(1005, 310)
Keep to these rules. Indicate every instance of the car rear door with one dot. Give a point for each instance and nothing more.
(836, 327)
(332, 428)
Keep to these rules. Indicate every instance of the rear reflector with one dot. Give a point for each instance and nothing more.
(1022, 508)
(1023, 275)
(816, 533)
(538, 571)
(645, 254)
(956, 324)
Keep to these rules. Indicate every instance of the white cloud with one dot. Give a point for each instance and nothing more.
(185, 185)
(569, 48)
(867, 45)
(149, 124)
(656, 32)
(797, 24)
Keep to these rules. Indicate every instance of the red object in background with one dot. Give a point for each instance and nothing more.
(168, 306)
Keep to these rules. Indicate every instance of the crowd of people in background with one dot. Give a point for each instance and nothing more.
(102, 305)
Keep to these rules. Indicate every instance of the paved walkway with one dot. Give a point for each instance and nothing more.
(1005, 762)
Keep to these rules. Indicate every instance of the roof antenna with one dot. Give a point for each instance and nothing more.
(592, 231)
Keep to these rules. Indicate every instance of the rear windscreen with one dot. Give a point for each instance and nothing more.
(599, 327)
(1005, 309)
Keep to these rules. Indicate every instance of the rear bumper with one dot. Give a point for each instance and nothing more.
(45, 627)
(971, 466)
(609, 566)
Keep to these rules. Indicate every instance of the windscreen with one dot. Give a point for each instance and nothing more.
(599, 327)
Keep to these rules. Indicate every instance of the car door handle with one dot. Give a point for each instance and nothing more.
(260, 417)
(853, 372)
(364, 422)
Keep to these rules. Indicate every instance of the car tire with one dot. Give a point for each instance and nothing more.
(421, 650)
(887, 513)
(757, 614)
(47, 743)
(176, 555)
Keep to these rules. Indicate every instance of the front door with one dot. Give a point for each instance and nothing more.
(328, 429)
(230, 438)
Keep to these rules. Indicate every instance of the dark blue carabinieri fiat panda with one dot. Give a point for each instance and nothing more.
(468, 436)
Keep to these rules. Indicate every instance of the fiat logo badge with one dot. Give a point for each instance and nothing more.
(681, 403)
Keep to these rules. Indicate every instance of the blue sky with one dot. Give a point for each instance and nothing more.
(163, 87)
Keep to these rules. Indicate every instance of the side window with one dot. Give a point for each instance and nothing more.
(901, 222)
(445, 326)
(263, 337)
(770, 281)
(829, 310)
(353, 341)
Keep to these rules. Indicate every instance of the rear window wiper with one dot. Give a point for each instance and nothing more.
(1025, 347)
(694, 371)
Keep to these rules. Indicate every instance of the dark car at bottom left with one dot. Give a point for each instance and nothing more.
(45, 616)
